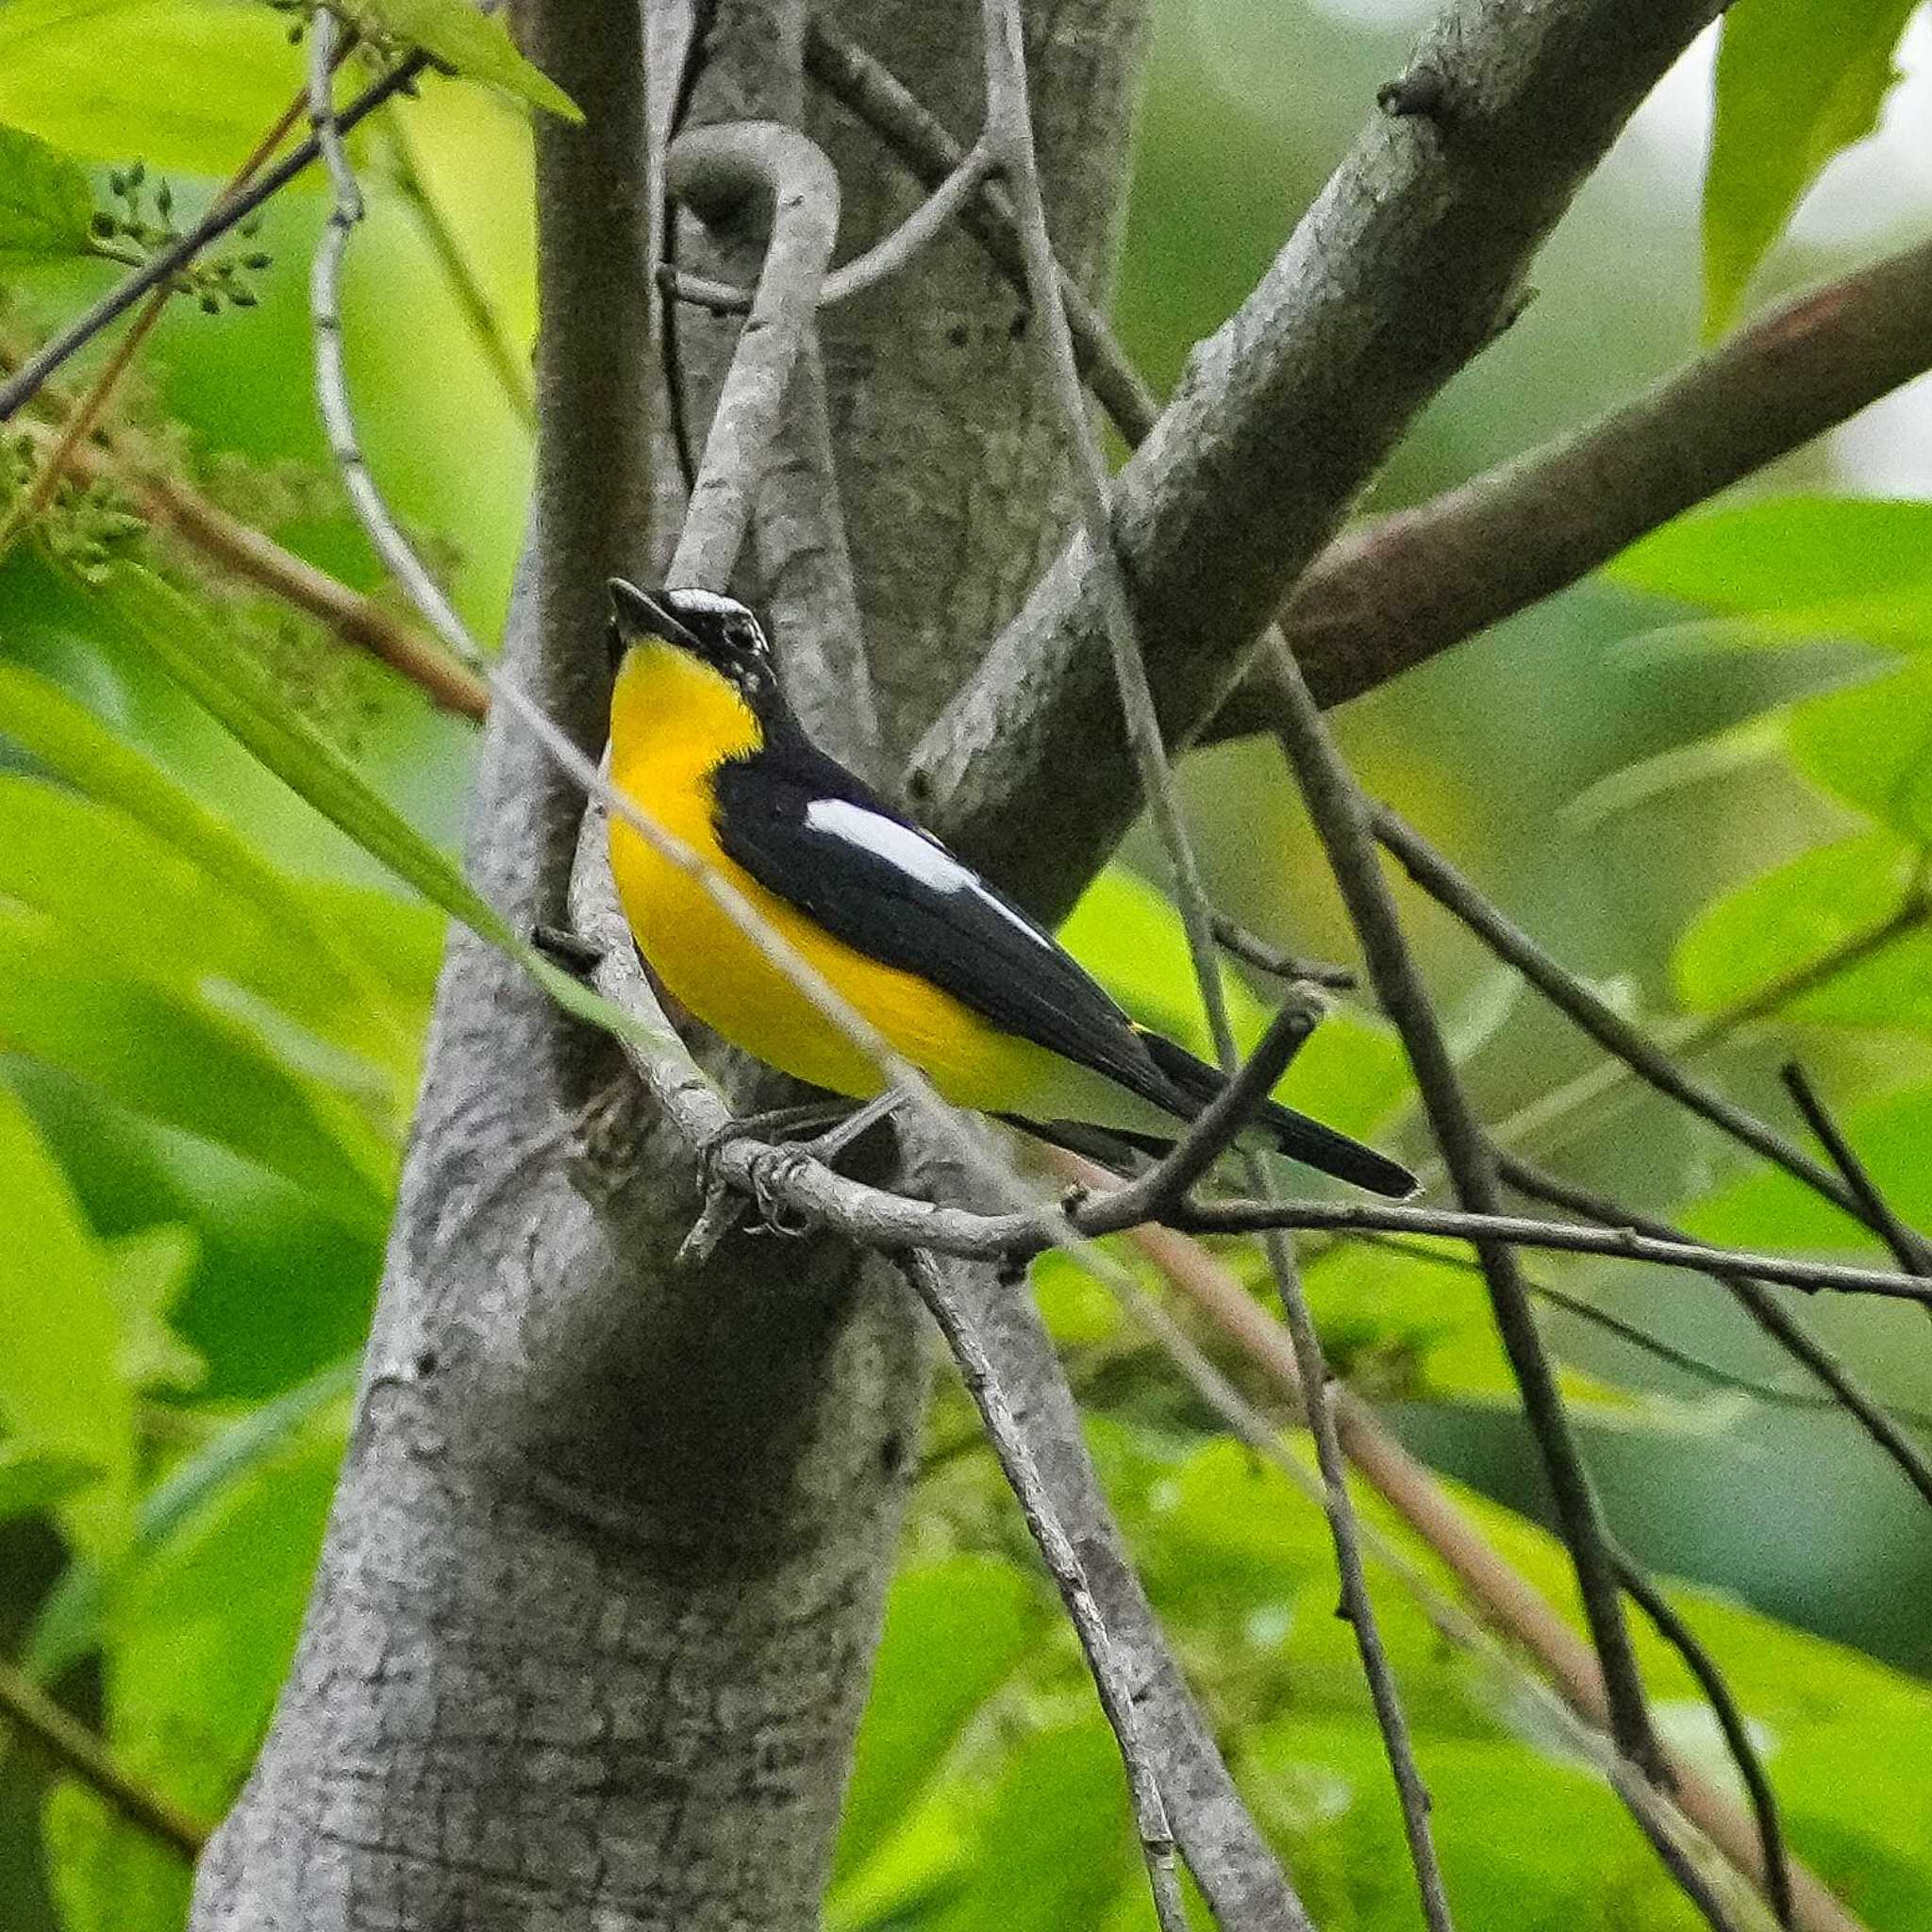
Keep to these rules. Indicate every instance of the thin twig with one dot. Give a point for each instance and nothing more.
(1678, 1633)
(1440, 880)
(1585, 1310)
(1745, 1281)
(1565, 1107)
(877, 97)
(79, 1751)
(1875, 1211)
(1212, 1131)
(1010, 135)
(1118, 1692)
(21, 387)
(883, 260)
(1252, 950)
(1341, 820)
(1506, 1598)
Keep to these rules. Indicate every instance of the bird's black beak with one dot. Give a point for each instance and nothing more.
(646, 614)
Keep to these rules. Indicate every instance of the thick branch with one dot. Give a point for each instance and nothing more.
(1404, 588)
(1392, 281)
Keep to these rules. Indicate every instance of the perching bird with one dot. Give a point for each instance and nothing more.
(956, 976)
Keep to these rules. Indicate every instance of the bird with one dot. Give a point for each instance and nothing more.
(957, 978)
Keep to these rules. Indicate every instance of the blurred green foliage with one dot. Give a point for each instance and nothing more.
(215, 973)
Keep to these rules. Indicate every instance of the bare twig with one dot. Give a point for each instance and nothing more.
(1875, 1211)
(1116, 1686)
(1745, 1281)
(21, 387)
(865, 87)
(1537, 1123)
(1010, 133)
(80, 1752)
(1254, 950)
(1341, 820)
(1708, 1372)
(883, 260)
(1678, 1633)
(1609, 1029)
(1506, 1598)
(1212, 1131)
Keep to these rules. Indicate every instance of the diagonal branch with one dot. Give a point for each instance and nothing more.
(1341, 820)
(1502, 1595)
(1392, 281)
(1616, 1034)
(959, 1305)
(1403, 589)
(80, 1754)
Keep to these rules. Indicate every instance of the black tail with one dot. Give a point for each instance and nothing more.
(1297, 1136)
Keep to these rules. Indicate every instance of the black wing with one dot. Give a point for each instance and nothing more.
(817, 836)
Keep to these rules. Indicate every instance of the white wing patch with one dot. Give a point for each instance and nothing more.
(913, 851)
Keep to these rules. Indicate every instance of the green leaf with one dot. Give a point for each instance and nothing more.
(282, 938)
(953, 1633)
(1797, 81)
(233, 689)
(46, 204)
(199, 1637)
(179, 1061)
(62, 1387)
(475, 45)
(1795, 918)
(1054, 1846)
(1871, 745)
(1770, 1210)
(147, 1272)
(74, 1619)
(33, 1480)
(186, 84)
(1798, 567)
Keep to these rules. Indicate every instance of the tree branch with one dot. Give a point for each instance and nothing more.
(1507, 1600)
(1117, 1677)
(1402, 589)
(1615, 1034)
(1390, 283)
(76, 1751)
(1341, 820)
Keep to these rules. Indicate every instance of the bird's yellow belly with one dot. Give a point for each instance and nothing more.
(712, 967)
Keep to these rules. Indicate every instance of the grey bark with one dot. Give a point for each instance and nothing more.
(1401, 272)
(593, 1625)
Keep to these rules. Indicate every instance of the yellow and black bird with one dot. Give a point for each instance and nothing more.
(956, 976)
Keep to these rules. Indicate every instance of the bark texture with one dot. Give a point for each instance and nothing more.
(593, 1621)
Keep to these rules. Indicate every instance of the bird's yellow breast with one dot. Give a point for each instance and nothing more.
(673, 722)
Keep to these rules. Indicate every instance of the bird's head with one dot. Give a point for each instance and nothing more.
(718, 632)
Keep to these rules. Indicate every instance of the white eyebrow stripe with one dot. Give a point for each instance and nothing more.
(910, 851)
(705, 600)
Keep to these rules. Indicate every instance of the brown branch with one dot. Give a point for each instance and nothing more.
(79, 1751)
(1403, 589)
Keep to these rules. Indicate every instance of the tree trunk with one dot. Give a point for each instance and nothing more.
(593, 1621)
